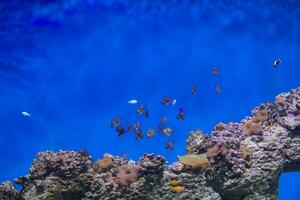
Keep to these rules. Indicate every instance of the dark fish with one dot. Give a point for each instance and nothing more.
(194, 90)
(276, 63)
(124, 156)
(141, 110)
(164, 119)
(181, 114)
(138, 134)
(218, 89)
(166, 101)
(115, 122)
(129, 127)
(161, 128)
(169, 145)
(120, 130)
(146, 114)
(150, 132)
(136, 125)
(216, 71)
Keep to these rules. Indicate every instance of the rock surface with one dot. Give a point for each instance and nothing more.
(243, 165)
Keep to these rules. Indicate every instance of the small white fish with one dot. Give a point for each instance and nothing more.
(25, 114)
(174, 102)
(167, 131)
(276, 63)
(133, 101)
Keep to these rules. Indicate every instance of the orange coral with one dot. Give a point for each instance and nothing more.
(177, 189)
(220, 126)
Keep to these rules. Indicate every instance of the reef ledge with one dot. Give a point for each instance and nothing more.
(237, 161)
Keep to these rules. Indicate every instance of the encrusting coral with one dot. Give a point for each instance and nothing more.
(194, 161)
(238, 161)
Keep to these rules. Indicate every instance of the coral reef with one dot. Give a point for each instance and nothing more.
(234, 165)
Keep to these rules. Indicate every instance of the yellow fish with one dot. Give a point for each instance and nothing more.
(174, 182)
(177, 189)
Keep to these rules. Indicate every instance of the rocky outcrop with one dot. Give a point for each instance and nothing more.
(245, 162)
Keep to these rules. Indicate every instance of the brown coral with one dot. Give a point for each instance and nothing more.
(279, 100)
(104, 163)
(220, 126)
(216, 150)
(245, 152)
(252, 128)
(260, 116)
(246, 155)
(212, 152)
(194, 161)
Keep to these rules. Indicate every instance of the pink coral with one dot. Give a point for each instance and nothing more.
(127, 174)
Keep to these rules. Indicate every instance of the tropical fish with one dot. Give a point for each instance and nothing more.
(138, 134)
(276, 63)
(120, 130)
(164, 119)
(169, 145)
(150, 132)
(124, 156)
(194, 90)
(133, 101)
(136, 125)
(175, 182)
(177, 189)
(216, 71)
(115, 122)
(129, 128)
(218, 89)
(167, 131)
(181, 114)
(25, 114)
(161, 128)
(146, 114)
(141, 109)
(166, 101)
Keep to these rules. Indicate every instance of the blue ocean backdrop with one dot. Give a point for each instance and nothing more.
(73, 65)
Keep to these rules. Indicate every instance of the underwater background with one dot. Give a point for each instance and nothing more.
(73, 65)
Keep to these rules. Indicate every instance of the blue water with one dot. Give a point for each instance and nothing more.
(74, 64)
